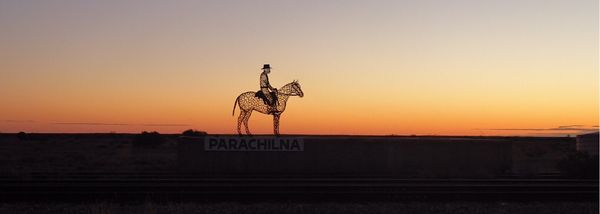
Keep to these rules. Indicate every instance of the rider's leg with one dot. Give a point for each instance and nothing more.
(270, 99)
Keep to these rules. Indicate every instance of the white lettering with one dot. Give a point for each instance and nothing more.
(253, 144)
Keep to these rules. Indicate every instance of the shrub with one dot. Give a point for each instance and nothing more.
(22, 136)
(148, 139)
(193, 133)
(579, 165)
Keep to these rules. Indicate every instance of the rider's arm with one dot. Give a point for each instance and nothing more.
(269, 84)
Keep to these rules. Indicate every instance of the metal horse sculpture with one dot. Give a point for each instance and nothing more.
(248, 103)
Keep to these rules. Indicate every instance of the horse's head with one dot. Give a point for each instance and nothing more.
(294, 89)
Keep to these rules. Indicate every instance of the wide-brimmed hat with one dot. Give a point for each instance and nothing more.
(265, 66)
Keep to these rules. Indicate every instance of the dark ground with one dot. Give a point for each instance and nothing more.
(300, 207)
(114, 153)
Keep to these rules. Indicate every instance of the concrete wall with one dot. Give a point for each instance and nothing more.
(588, 143)
(406, 157)
(539, 158)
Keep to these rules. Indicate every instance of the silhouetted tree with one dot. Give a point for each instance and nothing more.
(148, 139)
(193, 133)
(22, 136)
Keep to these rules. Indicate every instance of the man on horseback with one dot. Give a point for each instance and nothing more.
(266, 101)
(266, 87)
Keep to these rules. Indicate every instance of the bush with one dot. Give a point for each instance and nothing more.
(148, 139)
(22, 136)
(579, 165)
(193, 133)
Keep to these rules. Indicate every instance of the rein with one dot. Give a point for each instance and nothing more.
(292, 94)
(287, 94)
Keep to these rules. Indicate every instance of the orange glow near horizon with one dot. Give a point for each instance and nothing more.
(461, 68)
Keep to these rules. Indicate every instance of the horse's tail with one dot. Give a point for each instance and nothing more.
(234, 104)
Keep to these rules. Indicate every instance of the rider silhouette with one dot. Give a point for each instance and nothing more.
(266, 87)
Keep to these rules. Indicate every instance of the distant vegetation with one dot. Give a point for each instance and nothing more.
(193, 133)
(579, 165)
(22, 136)
(148, 139)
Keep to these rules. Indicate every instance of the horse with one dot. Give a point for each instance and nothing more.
(248, 102)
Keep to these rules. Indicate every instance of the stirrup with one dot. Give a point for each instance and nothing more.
(272, 110)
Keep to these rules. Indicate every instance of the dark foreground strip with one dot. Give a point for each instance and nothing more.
(330, 189)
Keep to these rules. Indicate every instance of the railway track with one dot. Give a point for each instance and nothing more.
(181, 187)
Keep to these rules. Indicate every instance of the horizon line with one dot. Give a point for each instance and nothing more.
(334, 134)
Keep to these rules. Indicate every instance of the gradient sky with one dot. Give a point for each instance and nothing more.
(461, 67)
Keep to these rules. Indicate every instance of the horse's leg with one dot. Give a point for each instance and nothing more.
(246, 118)
(276, 124)
(240, 120)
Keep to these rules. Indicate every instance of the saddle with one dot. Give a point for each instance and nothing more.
(262, 96)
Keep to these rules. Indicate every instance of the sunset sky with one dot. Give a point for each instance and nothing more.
(425, 67)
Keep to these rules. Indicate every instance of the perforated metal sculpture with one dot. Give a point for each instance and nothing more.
(249, 101)
(267, 92)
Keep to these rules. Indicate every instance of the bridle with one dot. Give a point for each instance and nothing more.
(289, 94)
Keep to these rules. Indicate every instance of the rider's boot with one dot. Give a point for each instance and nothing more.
(272, 108)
